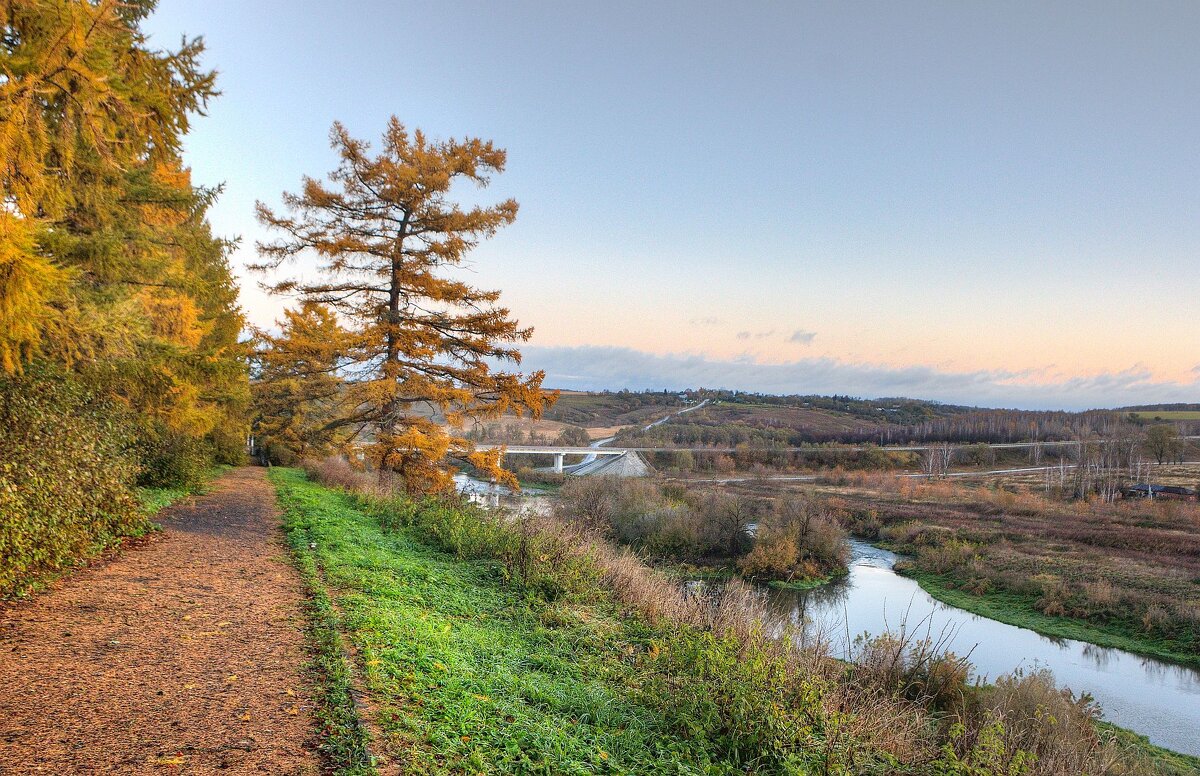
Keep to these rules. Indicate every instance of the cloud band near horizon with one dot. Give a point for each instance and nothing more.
(592, 367)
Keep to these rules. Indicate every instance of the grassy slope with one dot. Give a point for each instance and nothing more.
(469, 676)
(1165, 761)
(1020, 611)
(466, 675)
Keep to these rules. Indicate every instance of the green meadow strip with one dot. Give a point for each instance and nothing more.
(345, 740)
(470, 674)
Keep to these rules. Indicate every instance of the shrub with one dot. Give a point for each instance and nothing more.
(660, 519)
(170, 458)
(944, 558)
(797, 537)
(1043, 726)
(861, 522)
(539, 477)
(337, 472)
(228, 446)
(65, 477)
(773, 557)
(917, 669)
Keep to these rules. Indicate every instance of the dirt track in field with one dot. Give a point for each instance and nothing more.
(184, 655)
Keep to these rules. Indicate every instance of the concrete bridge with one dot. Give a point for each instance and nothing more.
(590, 453)
(559, 453)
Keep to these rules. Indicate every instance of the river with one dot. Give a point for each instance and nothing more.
(1157, 699)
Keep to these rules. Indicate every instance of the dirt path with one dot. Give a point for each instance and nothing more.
(181, 656)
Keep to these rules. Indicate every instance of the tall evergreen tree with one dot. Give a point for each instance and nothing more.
(418, 345)
(87, 113)
(118, 317)
(298, 394)
(107, 265)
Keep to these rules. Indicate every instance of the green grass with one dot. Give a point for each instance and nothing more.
(1163, 761)
(807, 584)
(470, 671)
(690, 572)
(700, 573)
(344, 742)
(154, 500)
(1019, 610)
(471, 675)
(720, 573)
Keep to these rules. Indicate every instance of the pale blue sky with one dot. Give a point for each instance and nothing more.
(1005, 190)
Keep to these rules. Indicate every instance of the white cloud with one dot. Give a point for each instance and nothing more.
(598, 367)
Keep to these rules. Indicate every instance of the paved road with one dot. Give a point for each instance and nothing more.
(182, 655)
(602, 442)
(549, 449)
(962, 474)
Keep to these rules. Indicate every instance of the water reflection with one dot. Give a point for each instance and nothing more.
(489, 495)
(1160, 700)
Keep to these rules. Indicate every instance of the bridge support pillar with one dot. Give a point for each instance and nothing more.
(558, 461)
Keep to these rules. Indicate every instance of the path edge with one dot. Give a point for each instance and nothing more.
(341, 711)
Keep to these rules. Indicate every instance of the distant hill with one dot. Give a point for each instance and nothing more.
(737, 417)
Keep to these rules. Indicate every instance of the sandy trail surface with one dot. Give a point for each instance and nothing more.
(183, 655)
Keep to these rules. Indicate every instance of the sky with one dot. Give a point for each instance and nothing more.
(979, 203)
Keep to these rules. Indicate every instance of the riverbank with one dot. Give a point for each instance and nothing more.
(1119, 575)
(488, 644)
(691, 572)
(1019, 610)
(808, 584)
(1163, 761)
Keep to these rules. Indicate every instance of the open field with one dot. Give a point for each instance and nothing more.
(1167, 415)
(1185, 475)
(603, 432)
(607, 410)
(767, 416)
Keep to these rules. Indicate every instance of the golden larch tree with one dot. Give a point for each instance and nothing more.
(419, 346)
(85, 108)
(298, 393)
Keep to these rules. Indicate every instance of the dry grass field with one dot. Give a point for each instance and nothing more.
(609, 410)
(1167, 415)
(779, 417)
(1124, 574)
